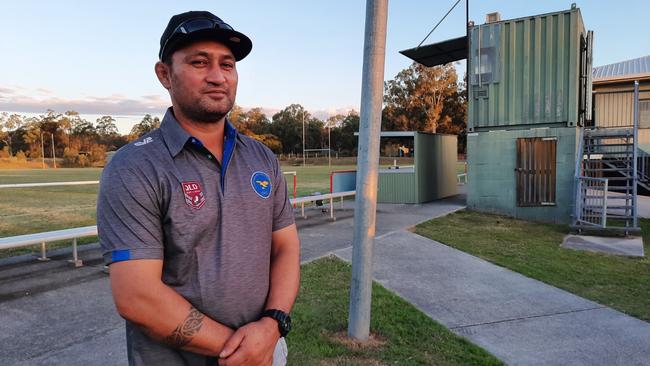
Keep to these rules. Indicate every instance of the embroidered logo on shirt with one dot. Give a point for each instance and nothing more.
(144, 142)
(261, 184)
(193, 194)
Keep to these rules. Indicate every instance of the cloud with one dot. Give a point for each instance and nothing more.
(22, 100)
(116, 104)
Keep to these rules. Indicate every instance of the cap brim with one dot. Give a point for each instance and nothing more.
(238, 43)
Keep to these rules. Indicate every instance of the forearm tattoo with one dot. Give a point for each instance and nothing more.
(184, 332)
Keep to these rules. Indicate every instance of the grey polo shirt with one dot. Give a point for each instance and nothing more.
(166, 197)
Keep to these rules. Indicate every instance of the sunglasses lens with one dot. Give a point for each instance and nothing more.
(197, 25)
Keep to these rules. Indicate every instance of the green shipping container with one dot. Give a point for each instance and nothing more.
(529, 72)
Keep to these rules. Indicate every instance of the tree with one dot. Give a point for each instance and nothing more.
(9, 128)
(287, 126)
(422, 99)
(342, 136)
(108, 134)
(105, 126)
(145, 126)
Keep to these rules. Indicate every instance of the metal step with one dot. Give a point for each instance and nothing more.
(609, 145)
(617, 197)
(607, 169)
(609, 132)
(620, 188)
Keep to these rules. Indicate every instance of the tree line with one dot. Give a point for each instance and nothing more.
(417, 99)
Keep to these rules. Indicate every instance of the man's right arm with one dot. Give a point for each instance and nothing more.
(164, 315)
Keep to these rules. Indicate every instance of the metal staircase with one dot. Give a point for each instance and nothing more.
(609, 169)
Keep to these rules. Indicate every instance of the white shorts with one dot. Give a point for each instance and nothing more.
(280, 353)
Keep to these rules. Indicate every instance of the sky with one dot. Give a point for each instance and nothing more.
(97, 57)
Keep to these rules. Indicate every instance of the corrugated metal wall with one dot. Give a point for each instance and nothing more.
(396, 187)
(435, 170)
(614, 105)
(538, 80)
(432, 177)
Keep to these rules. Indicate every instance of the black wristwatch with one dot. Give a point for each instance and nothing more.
(283, 319)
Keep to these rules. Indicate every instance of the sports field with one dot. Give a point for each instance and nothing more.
(39, 209)
(30, 210)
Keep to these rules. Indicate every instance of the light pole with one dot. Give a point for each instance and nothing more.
(303, 137)
(53, 154)
(374, 54)
(42, 151)
(329, 145)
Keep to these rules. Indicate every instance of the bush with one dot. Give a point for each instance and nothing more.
(20, 155)
(97, 153)
(70, 155)
(4, 153)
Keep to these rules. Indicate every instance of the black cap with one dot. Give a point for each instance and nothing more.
(173, 38)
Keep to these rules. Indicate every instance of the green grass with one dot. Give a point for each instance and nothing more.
(402, 335)
(534, 250)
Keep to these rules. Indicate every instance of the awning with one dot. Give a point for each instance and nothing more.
(439, 53)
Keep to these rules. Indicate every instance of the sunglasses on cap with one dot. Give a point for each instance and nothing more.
(195, 25)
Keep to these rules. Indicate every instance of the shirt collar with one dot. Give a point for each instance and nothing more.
(176, 137)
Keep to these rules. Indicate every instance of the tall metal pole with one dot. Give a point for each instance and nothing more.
(42, 151)
(372, 87)
(303, 137)
(329, 146)
(53, 154)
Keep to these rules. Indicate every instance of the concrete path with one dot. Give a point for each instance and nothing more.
(52, 314)
(520, 320)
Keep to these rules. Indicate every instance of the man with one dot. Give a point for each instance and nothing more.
(194, 218)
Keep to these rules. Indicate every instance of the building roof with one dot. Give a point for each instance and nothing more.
(638, 68)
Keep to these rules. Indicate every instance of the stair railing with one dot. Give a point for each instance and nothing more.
(577, 192)
(634, 159)
(592, 204)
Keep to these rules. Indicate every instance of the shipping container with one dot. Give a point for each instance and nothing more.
(530, 72)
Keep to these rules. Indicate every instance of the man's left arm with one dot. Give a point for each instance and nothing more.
(253, 344)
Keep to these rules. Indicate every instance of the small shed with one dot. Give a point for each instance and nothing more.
(432, 176)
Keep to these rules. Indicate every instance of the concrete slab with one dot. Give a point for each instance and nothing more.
(320, 236)
(591, 337)
(458, 289)
(627, 246)
(518, 319)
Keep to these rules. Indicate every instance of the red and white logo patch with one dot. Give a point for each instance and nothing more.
(193, 194)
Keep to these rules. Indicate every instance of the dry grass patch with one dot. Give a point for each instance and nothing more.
(374, 341)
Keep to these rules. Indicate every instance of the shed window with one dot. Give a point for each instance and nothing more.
(535, 172)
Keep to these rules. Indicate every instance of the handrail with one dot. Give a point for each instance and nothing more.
(49, 184)
(636, 144)
(577, 199)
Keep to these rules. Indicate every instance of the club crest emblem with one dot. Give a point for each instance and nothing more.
(261, 184)
(193, 194)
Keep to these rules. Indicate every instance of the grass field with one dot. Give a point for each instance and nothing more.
(401, 334)
(534, 250)
(39, 209)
